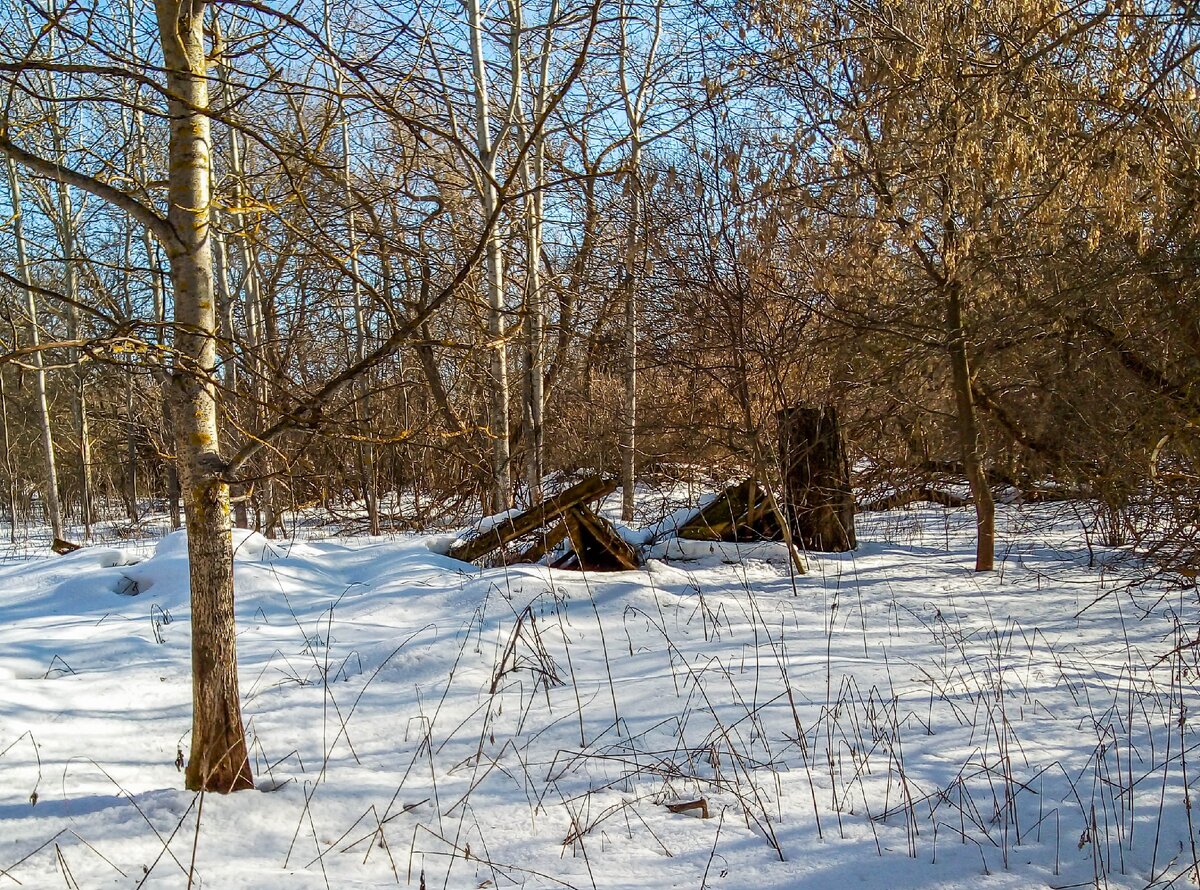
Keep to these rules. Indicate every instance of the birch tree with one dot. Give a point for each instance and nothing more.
(636, 85)
(50, 467)
(218, 759)
(487, 147)
(63, 213)
(531, 133)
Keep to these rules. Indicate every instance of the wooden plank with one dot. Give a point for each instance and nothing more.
(589, 489)
(604, 550)
(741, 512)
(544, 544)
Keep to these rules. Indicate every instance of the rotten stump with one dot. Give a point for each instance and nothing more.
(816, 479)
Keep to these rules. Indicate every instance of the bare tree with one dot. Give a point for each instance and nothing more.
(50, 467)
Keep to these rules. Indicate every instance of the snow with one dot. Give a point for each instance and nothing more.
(889, 720)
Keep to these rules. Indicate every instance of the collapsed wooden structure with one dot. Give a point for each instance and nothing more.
(741, 513)
(816, 492)
(595, 545)
(817, 512)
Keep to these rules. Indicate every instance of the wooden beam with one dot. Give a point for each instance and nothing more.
(741, 512)
(599, 546)
(590, 489)
(544, 544)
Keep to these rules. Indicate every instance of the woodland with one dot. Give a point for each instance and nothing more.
(403, 262)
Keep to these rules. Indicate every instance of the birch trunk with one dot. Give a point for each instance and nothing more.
(65, 227)
(365, 453)
(629, 283)
(254, 356)
(66, 232)
(131, 473)
(218, 759)
(636, 100)
(41, 402)
(158, 296)
(224, 306)
(160, 315)
(229, 375)
(532, 176)
(494, 273)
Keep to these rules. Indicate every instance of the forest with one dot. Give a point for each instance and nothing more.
(443, 252)
(392, 267)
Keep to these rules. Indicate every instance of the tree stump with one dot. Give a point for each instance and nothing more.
(816, 479)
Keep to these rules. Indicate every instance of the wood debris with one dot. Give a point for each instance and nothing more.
(741, 513)
(595, 544)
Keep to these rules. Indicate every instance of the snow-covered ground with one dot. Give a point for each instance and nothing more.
(889, 720)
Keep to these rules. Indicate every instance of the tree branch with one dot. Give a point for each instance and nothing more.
(158, 226)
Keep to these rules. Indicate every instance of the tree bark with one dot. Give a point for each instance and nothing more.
(10, 476)
(256, 353)
(970, 438)
(79, 376)
(532, 174)
(494, 273)
(816, 479)
(635, 98)
(365, 462)
(53, 506)
(219, 760)
(629, 284)
(131, 463)
(65, 226)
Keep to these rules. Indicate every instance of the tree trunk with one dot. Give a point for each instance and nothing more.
(157, 290)
(225, 301)
(629, 285)
(66, 227)
(494, 273)
(64, 224)
(532, 173)
(970, 438)
(11, 477)
(816, 479)
(255, 350)
(131, 473)
(53, 506)
(173, 504)
(635, 97)
(219, 760)
(131, 469)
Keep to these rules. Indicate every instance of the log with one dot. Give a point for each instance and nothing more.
(538, 516)
(914, 496)
(687, 806)
(816, 479)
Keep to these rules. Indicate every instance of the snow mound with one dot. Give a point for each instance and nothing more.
(719, 551)
(247, 546)
(102, 557)
(441, 544)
